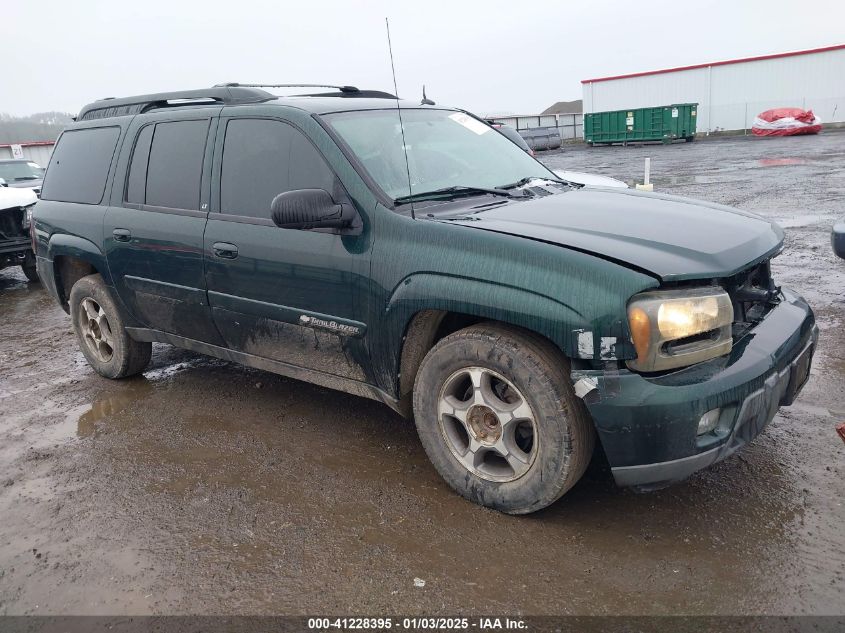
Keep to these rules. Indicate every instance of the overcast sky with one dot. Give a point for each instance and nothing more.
(489, 57)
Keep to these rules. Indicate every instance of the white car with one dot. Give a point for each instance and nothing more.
(589, 180)
(15, 216)
(21, 173)
(578, 177)
(15, 197)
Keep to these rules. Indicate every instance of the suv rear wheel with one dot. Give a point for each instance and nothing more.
(497, 416)
(102, 337)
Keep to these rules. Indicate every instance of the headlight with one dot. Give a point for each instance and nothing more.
(26, 220)
(676, 328)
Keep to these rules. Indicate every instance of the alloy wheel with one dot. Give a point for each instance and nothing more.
(96, 330)
(487, 424)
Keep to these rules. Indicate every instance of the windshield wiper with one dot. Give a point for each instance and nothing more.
(524, 181)
(457, 190)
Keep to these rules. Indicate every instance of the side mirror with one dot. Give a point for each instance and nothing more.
(310, 209)
(837, 239)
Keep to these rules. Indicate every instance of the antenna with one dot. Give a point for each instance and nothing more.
(399, 112)
(426, 100)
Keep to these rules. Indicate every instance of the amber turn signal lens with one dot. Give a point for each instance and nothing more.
(640, 331)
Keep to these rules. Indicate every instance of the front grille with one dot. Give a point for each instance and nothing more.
(11, 224)
(753, 293)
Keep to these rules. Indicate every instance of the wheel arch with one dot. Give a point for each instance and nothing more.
(423, 310)
(73, 258)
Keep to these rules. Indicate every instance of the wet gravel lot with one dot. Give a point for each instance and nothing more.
(206, 487)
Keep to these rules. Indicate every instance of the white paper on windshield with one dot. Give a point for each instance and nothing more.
(470, 123)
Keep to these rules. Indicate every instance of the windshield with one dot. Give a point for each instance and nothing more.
(445, 149)
(12, 171)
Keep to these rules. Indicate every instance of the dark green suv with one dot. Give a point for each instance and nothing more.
(413, 255)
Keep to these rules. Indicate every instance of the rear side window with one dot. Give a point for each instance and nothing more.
(80, 165)
(174, 165)
(263, 158)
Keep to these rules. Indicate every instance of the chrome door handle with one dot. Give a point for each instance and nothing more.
(122, 235)
(225, 250)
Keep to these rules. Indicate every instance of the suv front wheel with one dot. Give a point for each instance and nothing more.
(102, 337)
(498, 418)
(29, 268)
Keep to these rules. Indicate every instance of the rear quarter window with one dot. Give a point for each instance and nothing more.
(80, 165)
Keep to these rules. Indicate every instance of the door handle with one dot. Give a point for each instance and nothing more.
(225, 250)
(122, 235)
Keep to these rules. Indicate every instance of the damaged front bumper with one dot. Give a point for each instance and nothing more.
(14, 251)
(648, 426)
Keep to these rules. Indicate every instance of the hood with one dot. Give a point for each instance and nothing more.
(671, 237)
(14, 198)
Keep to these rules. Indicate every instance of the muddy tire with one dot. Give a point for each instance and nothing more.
(30, 271)
(100, 331)
(498, 418)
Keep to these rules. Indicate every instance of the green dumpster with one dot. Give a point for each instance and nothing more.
(660, 123)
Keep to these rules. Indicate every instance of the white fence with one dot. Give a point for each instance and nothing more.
(568, 126)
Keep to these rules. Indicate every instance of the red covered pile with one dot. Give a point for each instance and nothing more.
(786, 122)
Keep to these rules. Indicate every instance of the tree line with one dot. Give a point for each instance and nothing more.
(43, 126)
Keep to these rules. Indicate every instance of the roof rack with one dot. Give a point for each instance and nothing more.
(237, 85)
(361, 94)
(342, 91)
(224, 95)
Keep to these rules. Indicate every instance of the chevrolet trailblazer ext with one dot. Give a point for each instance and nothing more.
(516, 316)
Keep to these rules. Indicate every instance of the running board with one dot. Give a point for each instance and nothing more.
(354, 387)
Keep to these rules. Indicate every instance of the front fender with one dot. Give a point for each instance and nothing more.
(598, 335)
(550, 317)
(576, 300)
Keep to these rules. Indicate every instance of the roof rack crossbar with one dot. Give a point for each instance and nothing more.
(341, 88)
(225, 95)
